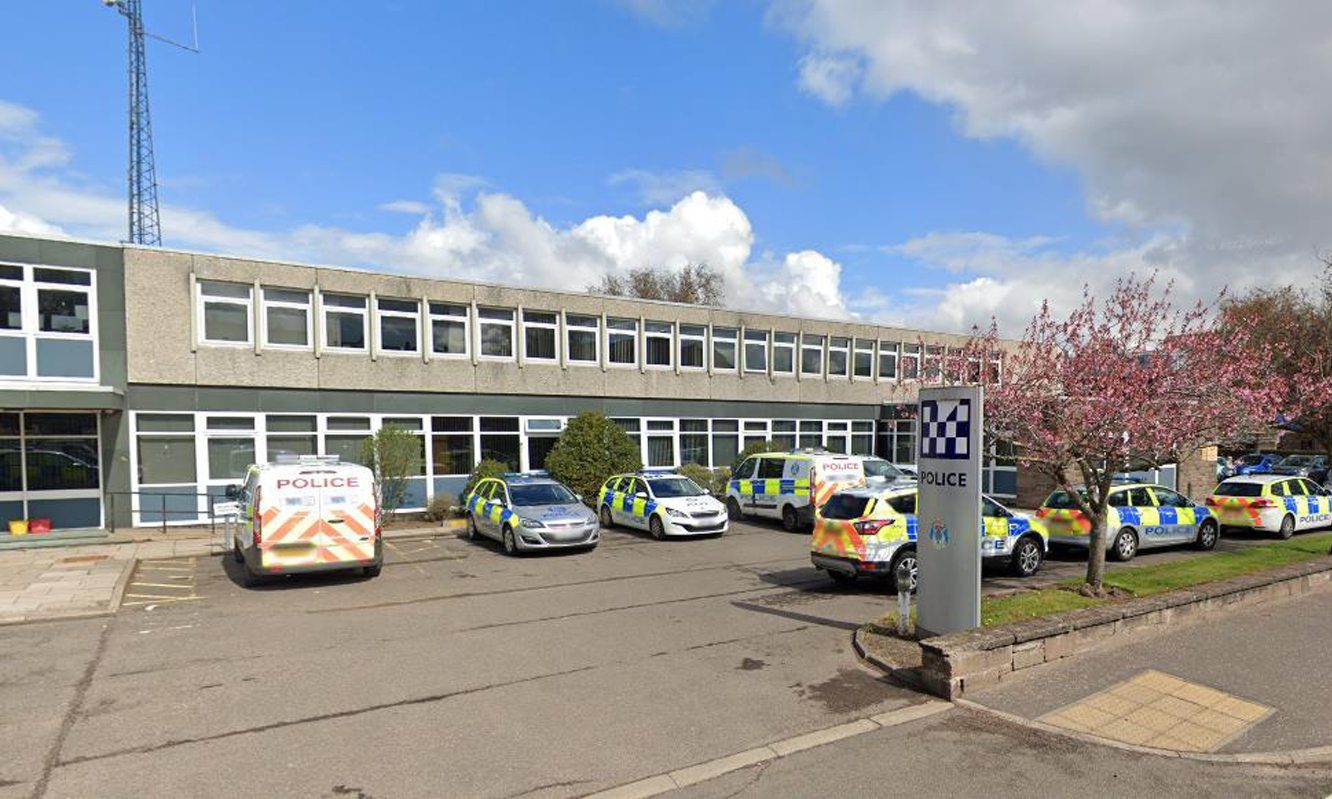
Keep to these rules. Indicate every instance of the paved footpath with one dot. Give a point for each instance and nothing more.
(1253, 681)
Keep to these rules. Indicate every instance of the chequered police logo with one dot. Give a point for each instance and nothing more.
(945, 429)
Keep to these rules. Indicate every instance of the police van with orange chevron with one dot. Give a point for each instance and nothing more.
(790, 486)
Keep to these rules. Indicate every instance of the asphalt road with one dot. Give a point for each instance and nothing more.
(463, 672)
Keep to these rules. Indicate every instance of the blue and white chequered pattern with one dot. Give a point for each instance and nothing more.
(945, 429)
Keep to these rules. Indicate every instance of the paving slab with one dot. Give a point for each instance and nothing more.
(1254, 680)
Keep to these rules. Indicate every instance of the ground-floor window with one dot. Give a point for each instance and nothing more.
(50, 470)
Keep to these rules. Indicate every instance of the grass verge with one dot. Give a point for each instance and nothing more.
(1156, 579)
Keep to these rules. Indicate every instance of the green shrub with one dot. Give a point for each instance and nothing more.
(484, 468)
(714, 480)
(591, 449)
(394, 455)
(439, 507)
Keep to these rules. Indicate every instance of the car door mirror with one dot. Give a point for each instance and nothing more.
(641, 495)
(233, 491)
(578, 497)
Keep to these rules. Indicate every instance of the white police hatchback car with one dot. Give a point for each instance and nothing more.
(663, 503)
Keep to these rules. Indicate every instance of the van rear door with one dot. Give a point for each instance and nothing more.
(346, 510)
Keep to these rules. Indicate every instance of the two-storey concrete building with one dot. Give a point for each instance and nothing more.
(139, 381)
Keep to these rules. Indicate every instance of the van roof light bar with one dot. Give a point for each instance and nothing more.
(287, 458)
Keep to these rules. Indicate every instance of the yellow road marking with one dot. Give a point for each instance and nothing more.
(161, 600)
(158, 596)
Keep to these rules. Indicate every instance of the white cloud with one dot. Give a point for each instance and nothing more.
(470, 232)
(1195, 126)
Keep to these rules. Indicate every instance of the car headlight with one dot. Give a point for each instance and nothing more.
(676, 514)
(532, 524)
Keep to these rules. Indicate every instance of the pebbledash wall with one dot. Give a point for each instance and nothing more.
(136, 382)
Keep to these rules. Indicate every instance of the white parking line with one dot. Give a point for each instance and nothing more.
(701, 772)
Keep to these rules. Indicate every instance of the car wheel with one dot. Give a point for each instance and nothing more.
(471, 533)
(510, 542)
(1208, 534)
(1287, 527)
(733, 509)
(236, 553)
(790, 521)
(657, 529)
(841, 578)
(1125, 546)
(907, 558)
(1027, 557)
(373, 571)
(606, 521)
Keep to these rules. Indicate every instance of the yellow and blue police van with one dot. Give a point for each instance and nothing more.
(661, 502)
(308, 513)
(872, 532)
(1139, 516)
(1272, 502)
(529, 511)
(790, 486)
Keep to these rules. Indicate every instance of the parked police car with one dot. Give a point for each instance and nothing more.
(663, 503)
(872, 532)
(790, 485)
(1272, 502)
(1140, 516)
(529, 511)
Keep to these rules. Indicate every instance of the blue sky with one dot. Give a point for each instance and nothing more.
(302, 116)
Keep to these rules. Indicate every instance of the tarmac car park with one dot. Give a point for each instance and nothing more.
(872, 532)
(1273, 503)
(1139, 516)
(661, 502)
(530, 511)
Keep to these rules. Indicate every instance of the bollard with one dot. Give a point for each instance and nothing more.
(903, 578)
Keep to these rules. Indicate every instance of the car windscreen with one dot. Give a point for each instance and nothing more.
(875, 467)
(1239, 490)
(541, 494)
(1062, 500)
(845, 506)
(669, 487)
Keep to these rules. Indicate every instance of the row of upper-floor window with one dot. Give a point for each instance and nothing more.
(294, 318)
(48, 323)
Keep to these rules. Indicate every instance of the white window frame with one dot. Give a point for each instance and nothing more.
(446, 317)
(816, 342)
(346, 310)
(725, 335)
(631, 332)
(483, 321)
(701, 337)
(910, 353)
(308, 307)
(766, 343)
(554, 328)
(862, 346)
(382, 313)
(30, 332)
(594, 329)
(793, 345)
(844, 349)
(668, 335)
(887, 349)
(203, 300)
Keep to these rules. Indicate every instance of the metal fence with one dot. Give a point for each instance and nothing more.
(159, 502)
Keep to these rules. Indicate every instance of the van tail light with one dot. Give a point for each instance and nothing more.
(871, 526)
(1262, 504)
(258, 513)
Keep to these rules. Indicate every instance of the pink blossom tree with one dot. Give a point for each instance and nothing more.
(1128, 380)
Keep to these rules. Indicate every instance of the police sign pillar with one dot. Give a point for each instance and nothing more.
(948, 508)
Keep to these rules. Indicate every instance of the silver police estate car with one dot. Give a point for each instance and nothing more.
(529, 511)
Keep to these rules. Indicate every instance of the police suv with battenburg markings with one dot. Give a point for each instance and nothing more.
(528, 511)
(790, 485)
(871, 532)
(1140, 516)
(663, 503)
(1272, 502)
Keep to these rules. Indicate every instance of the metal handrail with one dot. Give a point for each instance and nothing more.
(213, 499)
